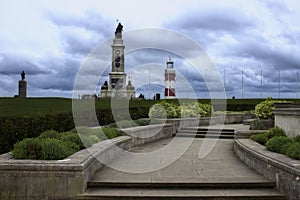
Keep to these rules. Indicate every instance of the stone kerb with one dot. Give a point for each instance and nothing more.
(64, 179)
(277, 167)
(234, 118)
(287, 117)
(179, 123)
(146, 134)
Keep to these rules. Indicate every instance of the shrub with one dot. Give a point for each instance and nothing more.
(297, 138)
(49, 134)
(169, 110)
(16, 128)
(157, 111)
(71, 147)
(260, 138)
(189, 110)
(264, 109)
(72, 137)
(110, 132)
(89, 140)
(205, 110)
(54, 149)
(83, 130)
(141, 122)
(274, 132)
(285, 147)
(29, 148)
(293, 151)
(276, 144)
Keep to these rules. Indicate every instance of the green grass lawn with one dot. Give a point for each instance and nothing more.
(29, 106)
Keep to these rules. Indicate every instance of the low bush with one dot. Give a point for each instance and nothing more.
(275, 140)
(169, 110)
(264, 110)
(141, 122)
(277, 144)
(29, 148)
(89, 140)
(293, 151)
(51, 145)
(205, 110)
(110, 132)
(54, 149)
(275, 132)
(285, 147)
(72, 137)
(263, 138)
(297, 138)
(49, 134)
(260, 138)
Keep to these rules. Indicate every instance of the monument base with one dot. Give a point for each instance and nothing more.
(22, 89)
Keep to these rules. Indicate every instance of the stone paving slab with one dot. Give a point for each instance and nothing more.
(220, 165)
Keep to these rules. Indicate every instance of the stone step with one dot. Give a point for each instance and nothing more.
(208, 129)
(205, 136)
(158, 194)
(206, 133)
(190, 185)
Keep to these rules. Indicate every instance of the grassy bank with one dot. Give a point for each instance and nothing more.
(29, 106)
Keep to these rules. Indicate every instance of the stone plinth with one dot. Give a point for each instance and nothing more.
(287, 117)
(22, 89)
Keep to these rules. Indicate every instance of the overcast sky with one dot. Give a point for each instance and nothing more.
(243, 38)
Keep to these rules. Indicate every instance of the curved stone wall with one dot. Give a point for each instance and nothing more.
(64, 179)
(277, 167)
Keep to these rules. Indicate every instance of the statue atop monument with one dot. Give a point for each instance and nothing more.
(119, 30)
(23, 75)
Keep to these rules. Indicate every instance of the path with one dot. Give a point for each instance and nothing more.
(220, 170)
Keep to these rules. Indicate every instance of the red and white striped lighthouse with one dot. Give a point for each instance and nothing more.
(170, 75)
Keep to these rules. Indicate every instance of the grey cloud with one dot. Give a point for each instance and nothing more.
(80, 34)
(14, 63)
(213, 19)
(91, 21)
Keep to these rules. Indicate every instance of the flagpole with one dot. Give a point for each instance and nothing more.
(261, 82)
(149, 84)
(225, 80)
(279, 84)
(297, 84)
(242, 83)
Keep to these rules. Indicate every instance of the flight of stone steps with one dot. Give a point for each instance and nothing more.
(177, 190)
(206, 132)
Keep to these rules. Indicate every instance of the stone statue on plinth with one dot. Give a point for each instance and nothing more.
(22, 86)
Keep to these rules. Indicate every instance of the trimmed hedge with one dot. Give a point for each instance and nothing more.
(51, 145)
(16, 128)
